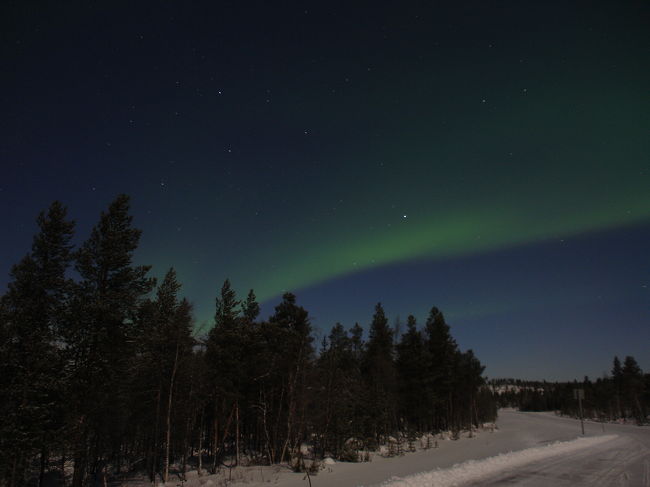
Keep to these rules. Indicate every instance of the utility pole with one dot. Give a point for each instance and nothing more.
(579, 394)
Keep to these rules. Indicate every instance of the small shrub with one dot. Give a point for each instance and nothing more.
(349, 455)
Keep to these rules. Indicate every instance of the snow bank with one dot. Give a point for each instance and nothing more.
(474, 470)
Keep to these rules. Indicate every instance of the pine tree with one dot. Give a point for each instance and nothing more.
(442, 354)
(358, 345)
(224, 356)
(411, 366)
(632, 388)
(223, 344)
(251, 347)
(250, 308)
(100, 336)
(379, 371)
(226, 315)
(164, 348)
(467, 381)
(180, 342)
(284, 355)
(617, 378)
(33, 310)
(337, 402)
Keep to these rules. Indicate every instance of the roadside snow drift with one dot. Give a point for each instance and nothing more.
(474, 470)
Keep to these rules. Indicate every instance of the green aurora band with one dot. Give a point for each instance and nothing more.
(441, 238)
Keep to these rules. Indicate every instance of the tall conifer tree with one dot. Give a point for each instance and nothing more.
(100, 336)
(33, 310)
(442, 350)
(379, 370)
(411, 365)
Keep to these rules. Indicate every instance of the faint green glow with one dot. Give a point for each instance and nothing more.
(438, 237)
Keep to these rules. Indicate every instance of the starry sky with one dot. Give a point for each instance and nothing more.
(488, 158)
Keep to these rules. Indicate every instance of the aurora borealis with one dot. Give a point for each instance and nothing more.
(492, 160)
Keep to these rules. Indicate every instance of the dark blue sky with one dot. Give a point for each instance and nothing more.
(489, 159)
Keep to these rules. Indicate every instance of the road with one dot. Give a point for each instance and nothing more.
(622, 461)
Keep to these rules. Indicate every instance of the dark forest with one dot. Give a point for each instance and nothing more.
(103, 375)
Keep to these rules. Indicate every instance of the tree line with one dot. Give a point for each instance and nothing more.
(623, 395)
(102, 374)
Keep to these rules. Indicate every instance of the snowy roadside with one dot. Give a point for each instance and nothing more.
(382, 465)
(516, 432)
(475, 470)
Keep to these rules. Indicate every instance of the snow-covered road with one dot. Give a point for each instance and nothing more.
(617, 462)
(622, 461)
(616, 455)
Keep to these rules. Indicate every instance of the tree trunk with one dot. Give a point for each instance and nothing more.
(471, 418)
(41, 474)
(79, 469)
(278, 422)
(200, 466)
(63, 469)
(269, 448)
(80, 457)
(14, 470)
(154, 456)
(169, 415)
(237, 433)
(215, 439)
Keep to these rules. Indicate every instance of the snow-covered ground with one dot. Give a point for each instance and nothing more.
(482, 470)
(537, 449)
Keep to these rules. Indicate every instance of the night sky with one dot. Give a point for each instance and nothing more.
(489, 158)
